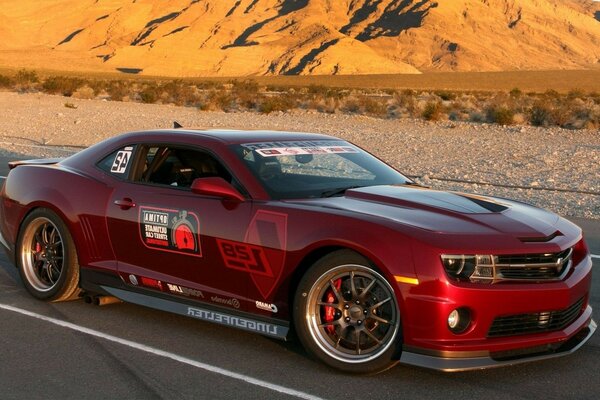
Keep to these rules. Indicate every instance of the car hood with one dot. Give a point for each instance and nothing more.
(446, 212)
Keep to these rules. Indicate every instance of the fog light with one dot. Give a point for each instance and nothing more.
(453, 319)
(459, 320)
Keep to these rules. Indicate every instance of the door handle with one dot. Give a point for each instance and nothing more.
(125, 203)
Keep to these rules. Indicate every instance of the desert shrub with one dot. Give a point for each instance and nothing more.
(540, 114)
(5, 81)
(432, 111)
(62, 85)
(118, 90)
(500, 115)
(180, 93)
(373, 106)
(515, 93)
(476, 116)
(26, 77)
(350, 105)
(575, 93)
(150, 94)
(218, 99)
(275, 103)
(84, 92)
(26, 80)
(446, 95)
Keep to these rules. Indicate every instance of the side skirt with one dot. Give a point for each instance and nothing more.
(200, 312)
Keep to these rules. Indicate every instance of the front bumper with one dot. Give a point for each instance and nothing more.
(465, 361)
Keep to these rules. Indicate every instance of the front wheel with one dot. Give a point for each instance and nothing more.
(46, 257)
(346, 314)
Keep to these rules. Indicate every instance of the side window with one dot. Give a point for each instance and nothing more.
(177, 166)
(119, 162)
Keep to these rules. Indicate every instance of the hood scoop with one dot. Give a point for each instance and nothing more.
(427, 198)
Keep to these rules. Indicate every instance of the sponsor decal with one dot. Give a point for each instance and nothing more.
(293, 151)
(243, 323)
(176, 231)
(151, 283)
(266, 306)
(235, 303)
(121, 161)
(184, 291)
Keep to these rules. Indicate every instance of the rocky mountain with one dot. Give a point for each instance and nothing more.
(266, 37)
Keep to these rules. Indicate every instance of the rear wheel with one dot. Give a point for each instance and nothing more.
(46, 257)
(346, 314)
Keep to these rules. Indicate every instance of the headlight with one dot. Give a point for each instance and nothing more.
(465, 267)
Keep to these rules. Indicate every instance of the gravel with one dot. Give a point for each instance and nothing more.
(485, 156)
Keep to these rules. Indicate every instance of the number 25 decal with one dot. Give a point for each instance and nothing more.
(121, 161)
(245, 257)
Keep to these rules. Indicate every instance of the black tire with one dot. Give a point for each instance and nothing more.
(346, 314)
(46, 257)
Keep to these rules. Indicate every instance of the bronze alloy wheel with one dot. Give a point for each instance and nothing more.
(46, 257)
(347, 314)
(42, 254)
(352, 314)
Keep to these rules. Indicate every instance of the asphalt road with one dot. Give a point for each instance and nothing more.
(130, 352)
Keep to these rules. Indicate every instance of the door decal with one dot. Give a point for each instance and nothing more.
(176, 231)
(268, 230)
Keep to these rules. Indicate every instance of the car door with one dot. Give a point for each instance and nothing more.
(167, 238)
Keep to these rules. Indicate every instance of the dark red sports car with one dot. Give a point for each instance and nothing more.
(265, 231)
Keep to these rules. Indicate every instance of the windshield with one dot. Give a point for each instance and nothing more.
(309, 169)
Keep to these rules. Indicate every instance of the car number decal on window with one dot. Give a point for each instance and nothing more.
(176, 231)
(121, 161)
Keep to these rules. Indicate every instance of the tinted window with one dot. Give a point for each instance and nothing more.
(177, 166)
(307, 169)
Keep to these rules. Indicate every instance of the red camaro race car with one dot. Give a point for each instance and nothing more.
(269, 231)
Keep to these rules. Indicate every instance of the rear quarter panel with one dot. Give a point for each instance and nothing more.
(80, 200)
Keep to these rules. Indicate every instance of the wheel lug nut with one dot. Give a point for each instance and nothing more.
(365, 312)
(347, 319)
(346, 306)
(357, 302)
(359, 322)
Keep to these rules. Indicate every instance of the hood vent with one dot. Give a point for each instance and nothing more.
(540, 239)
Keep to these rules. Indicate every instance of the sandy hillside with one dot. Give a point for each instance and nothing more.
(262, 37)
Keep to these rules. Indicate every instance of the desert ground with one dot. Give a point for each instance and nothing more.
(553, 168)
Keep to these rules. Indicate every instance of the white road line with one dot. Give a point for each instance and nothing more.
(595, 256)
(165, 354)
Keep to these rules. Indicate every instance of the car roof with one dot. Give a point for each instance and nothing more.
(229, 136)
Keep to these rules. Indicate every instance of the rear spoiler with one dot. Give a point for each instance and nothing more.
(41, 161)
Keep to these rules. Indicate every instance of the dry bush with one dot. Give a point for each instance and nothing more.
(271, 104)
(150, 93)
(118, 90)
(540, 114)
(84, 92)
(373, 106)
(351, 105)
(501, 115)
(6, 81)
(62, 85)
(432, 111)
(26, 80)
(446, 95)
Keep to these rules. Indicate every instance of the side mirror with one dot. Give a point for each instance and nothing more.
(215, 186)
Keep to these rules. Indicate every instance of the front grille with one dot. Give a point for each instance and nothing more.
(534, 266)
(545, 321)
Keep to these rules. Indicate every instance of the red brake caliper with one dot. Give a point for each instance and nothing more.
(330, 311)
